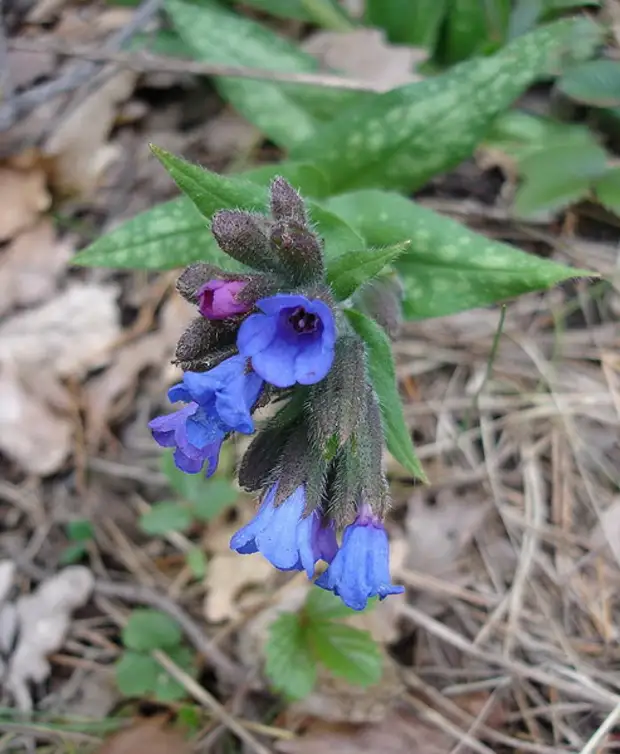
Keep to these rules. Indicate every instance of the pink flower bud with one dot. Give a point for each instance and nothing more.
(217, 299)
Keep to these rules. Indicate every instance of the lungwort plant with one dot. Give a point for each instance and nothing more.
(301, 273)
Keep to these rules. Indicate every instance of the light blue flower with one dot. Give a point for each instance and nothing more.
(288, 539)
(361, 568)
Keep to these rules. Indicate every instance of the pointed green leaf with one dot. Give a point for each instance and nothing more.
(595, 82)
(150, 629)
(166, 517)
(347, 272)
(471, 27)
(197, 562)
(403, 137)
(383, 378)
(287, 113)
(607, 189)
(447, 268)
(211, 191)
(290, 665)
(348, 652)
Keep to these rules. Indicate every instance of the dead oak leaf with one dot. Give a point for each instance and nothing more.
(31, 266)
(226, 577)
(23, 197)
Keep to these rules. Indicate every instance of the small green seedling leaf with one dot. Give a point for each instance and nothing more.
(166, 517)
(192, 488)
(218, 494)
(607, 189)
(150, 629)
(322, 605)
(349, 271)
(348, 652)
(196, 562)
(136, 673)
(167, 688)
(80, 530)
(383, 378)
(289, 662)
(595, 82)
(73, 553)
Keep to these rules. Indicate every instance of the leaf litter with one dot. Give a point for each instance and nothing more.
(508, 632)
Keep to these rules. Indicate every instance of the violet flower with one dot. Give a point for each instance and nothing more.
(219, 401)
(217, 299)
(291, 341)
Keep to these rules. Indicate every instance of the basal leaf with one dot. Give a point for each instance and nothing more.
(348, 652)
(171, 234)
(383, 378)
(349, 271)
(150, 629)
(471, 27)
(287, 113)
(447, 268)
(403, 137)
(326, 13)
(406, 22)
(289, 662)
(595, 82)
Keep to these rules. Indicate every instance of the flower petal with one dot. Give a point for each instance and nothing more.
(274, 304)
(276, 364)
(312, 363)
(255, 334)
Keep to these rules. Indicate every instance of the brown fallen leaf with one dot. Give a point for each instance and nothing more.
(149, 736)
(23, 197)
(68, 335)
(26, 66)
(437, 536)
(79, 148)
(365, 54)
(227, 575)
(31, 265)
(398, 733)
(32, 433)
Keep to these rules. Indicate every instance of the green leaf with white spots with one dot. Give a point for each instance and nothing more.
(447, 268)
(287, 113)
(383, 377)
(403, 137)
(171, 234)
(326, 13)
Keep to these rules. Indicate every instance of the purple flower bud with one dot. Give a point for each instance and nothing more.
(361, 569)
(219, 402)
(291, 341)
(290, 540)
(217, 299)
